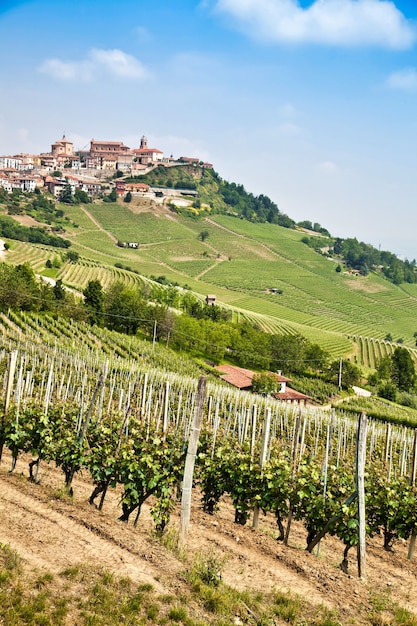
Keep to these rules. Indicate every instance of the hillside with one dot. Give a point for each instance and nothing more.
(62, 561)
(79, 566)
(240, 262)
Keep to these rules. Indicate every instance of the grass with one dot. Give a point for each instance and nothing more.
(326, 307)
(91, 595)
(380, 409)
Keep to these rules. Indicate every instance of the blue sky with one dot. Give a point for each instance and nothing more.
(312, 102)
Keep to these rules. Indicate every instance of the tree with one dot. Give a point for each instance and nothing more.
(128, 197)
(81, 196)
(203, 235)
(265, 382)
(112, 197)
(58, 289)
(384, 368)
(351, 373)
(94, 301)
(66, 195)
(388, 391)
(125, 308)
(72, 256)
(403, 370)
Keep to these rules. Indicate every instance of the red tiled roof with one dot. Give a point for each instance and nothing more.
(291, 394)
(107, 143)
(236, 376)
(145, 150)
(242, 378)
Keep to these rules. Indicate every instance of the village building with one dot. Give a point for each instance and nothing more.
(189, 160)
(63, 147)
(120, 186)
(5, 182)
(48, 161)
(55, 185)
(242, 379)
(145, 155)
(104, 149)
(10, 162)
(125, 161)
(24, 183)
(137, 188)
(29, 161)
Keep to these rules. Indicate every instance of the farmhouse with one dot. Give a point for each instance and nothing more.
(140, 188)
(242, 379)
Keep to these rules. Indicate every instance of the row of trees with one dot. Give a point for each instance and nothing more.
(204, 331)
(254, 208)
(364, 257)
(10, 229)
(201, 330)
(21, 290)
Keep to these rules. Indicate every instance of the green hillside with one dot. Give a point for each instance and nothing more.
(262, 271)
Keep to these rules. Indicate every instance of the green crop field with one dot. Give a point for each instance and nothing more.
(240, 263)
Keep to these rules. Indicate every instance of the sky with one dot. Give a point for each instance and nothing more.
(310, 102)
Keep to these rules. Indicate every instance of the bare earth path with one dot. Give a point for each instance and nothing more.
(52, 533)
(99, 226)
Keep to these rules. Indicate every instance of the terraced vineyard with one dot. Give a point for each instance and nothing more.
(240, 262)
(370, 351)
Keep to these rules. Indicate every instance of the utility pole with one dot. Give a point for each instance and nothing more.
(340, 373)
(154, 335)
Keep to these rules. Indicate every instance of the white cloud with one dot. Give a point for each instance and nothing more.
(111, 62)
(332, 22)
(143, 35)
(405, 79)
(327, 167)
(118, 63)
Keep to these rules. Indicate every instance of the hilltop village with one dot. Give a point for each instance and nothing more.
(85, 169)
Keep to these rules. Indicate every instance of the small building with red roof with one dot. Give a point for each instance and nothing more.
(242, 379)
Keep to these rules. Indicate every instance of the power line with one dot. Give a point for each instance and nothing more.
(151, 321)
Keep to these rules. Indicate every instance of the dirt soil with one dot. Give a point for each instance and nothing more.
(52, 532)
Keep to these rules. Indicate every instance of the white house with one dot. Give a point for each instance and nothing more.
(8, 161)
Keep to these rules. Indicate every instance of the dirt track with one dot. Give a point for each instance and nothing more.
(52, 533)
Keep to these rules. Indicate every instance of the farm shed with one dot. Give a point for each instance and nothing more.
(242, 379)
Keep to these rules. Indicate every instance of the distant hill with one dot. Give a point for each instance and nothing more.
(216, 195)
(285, 279)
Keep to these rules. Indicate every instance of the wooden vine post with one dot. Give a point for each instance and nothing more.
(412, 545)
(360, 487)
(265, 441)
(9, 387)
(190, 459)
(294, 465)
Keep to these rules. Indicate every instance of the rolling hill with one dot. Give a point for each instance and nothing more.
(262, 272)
